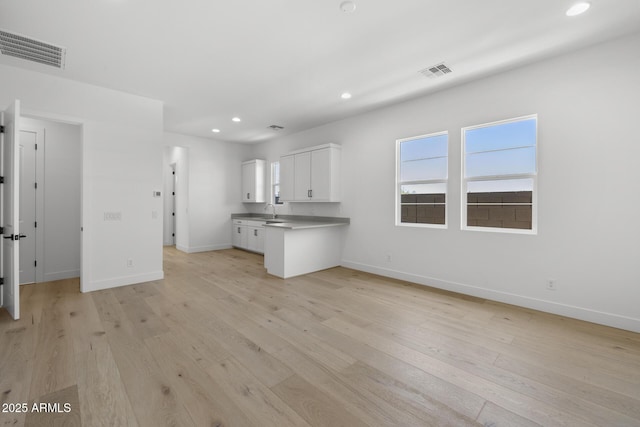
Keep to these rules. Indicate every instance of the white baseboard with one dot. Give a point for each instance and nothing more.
(59, 275)
(594, 316)
(122, 281)
(194, 249)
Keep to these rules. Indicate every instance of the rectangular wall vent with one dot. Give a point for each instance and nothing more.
(32, 50)
(436, 70)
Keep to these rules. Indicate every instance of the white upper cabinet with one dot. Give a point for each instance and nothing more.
(287, 167)
(311, 175)
(302, 176)
(253, 181)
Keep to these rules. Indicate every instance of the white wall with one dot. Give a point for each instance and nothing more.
(213, 189)
(59, 216)
(588, 109)
(122, 165)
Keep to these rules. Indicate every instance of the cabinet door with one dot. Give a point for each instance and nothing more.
(253, 181)
(239, 236)
(286, 177)
(302, 177)
(321, 174)
(255, 239)
(248, 182)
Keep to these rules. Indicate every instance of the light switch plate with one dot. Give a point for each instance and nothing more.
(113, 216)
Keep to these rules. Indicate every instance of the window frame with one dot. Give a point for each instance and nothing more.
(400, 183)
(504, 177)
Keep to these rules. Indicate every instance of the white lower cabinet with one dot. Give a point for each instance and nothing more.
(239, 234)
(255, 239)
(248, 235)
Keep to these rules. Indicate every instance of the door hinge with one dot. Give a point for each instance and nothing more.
(1, 179)
(35, 224)
(35, 185)
(35, 262)
(36, 145)
(1, 230)
(1, 280)
(1, 129)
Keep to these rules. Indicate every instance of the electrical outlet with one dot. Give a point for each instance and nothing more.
(552, 284)
(388, 257)
(130, 262)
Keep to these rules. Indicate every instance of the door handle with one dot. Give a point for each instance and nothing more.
(22, 236)
(10, 237)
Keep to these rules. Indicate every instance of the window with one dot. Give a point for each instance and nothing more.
(499, 164)
(275, 183)
(422, 164)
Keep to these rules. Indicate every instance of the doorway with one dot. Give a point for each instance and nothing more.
(173, 203)
(29, 160)
(176, 216)
(50, 200)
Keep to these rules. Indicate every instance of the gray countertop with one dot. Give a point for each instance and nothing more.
(295, 222)
(298, 225)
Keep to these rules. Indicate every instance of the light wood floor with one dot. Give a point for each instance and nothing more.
(221, 343)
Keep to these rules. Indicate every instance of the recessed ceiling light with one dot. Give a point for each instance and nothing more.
(347, 6)
(345, 95)
(236, 119)
(578, 8)
(215, 130)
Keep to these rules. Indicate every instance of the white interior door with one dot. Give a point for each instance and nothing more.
(28, 193)
(11, 210)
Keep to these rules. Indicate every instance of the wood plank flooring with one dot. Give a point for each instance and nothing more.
(219, 342)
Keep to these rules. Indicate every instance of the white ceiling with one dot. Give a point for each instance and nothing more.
(286, 62)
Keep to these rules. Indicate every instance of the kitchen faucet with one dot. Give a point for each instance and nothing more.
(273, 215)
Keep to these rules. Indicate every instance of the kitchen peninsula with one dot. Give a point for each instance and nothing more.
(295, 245)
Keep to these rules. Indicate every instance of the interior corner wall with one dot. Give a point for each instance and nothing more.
(587, 106)
(213, 181)
(121, 167)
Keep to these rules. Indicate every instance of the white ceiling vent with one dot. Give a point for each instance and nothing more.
(31, 50)
(436, 70)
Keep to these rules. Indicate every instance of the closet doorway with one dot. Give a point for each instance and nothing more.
(50, 200)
